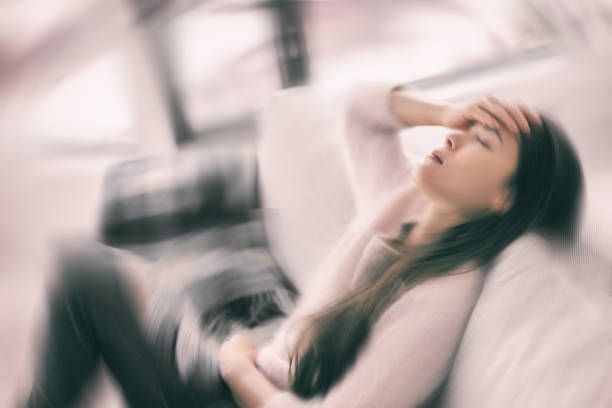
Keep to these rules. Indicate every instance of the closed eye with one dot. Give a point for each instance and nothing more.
(482, 142)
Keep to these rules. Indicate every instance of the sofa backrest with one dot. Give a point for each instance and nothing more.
(304, 184)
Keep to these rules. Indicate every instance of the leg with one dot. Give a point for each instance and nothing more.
(92, 317)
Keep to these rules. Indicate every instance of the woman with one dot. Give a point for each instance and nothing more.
(382, 316)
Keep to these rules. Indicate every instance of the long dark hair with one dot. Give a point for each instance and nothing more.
(546, 188)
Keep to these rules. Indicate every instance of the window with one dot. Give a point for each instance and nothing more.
(88, 108)
(224, 62)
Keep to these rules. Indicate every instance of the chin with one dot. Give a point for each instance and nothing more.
(424, 187)
(421, 179)
(430, 184)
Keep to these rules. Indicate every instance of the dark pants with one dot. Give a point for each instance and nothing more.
(92, 319)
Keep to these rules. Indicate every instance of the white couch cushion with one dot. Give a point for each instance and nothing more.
(304, 183)
(540, 334)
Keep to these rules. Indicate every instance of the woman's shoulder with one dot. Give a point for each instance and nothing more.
(459, 287)
(453, 295)
(463, 283)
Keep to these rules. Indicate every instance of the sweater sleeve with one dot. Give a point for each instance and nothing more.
(407, 357)
(329, 281)
(374, 156)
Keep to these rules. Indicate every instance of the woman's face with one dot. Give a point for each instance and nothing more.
(473, 171)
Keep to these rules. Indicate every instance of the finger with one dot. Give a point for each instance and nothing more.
(495, 121)
(484, 117)
(494, 107)
(530, 113)
(518, 116)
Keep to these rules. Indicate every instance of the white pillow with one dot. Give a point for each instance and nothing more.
(305, 187)
(540, 334)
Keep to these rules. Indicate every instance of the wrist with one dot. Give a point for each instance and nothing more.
(238, 371)
(415, 110)
(250, 388)
(444, 112)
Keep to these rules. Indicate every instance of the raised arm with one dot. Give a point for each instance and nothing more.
(374, 115)
(416, 110)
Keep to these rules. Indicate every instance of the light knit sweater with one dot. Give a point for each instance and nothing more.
(411, 346)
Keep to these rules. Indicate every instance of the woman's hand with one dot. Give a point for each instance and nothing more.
(491, 112)
(235, 355)
(249, 387)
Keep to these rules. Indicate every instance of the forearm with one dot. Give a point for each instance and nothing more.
(250, 387)
(413, 110)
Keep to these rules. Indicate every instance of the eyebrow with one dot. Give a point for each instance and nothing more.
(496, 131)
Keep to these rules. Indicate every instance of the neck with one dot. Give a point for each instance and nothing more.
(434, 221)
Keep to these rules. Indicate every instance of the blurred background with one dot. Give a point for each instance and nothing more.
(87, 84)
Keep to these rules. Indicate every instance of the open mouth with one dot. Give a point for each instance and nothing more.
(434, 156)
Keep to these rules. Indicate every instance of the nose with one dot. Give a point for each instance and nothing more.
(451, 142)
